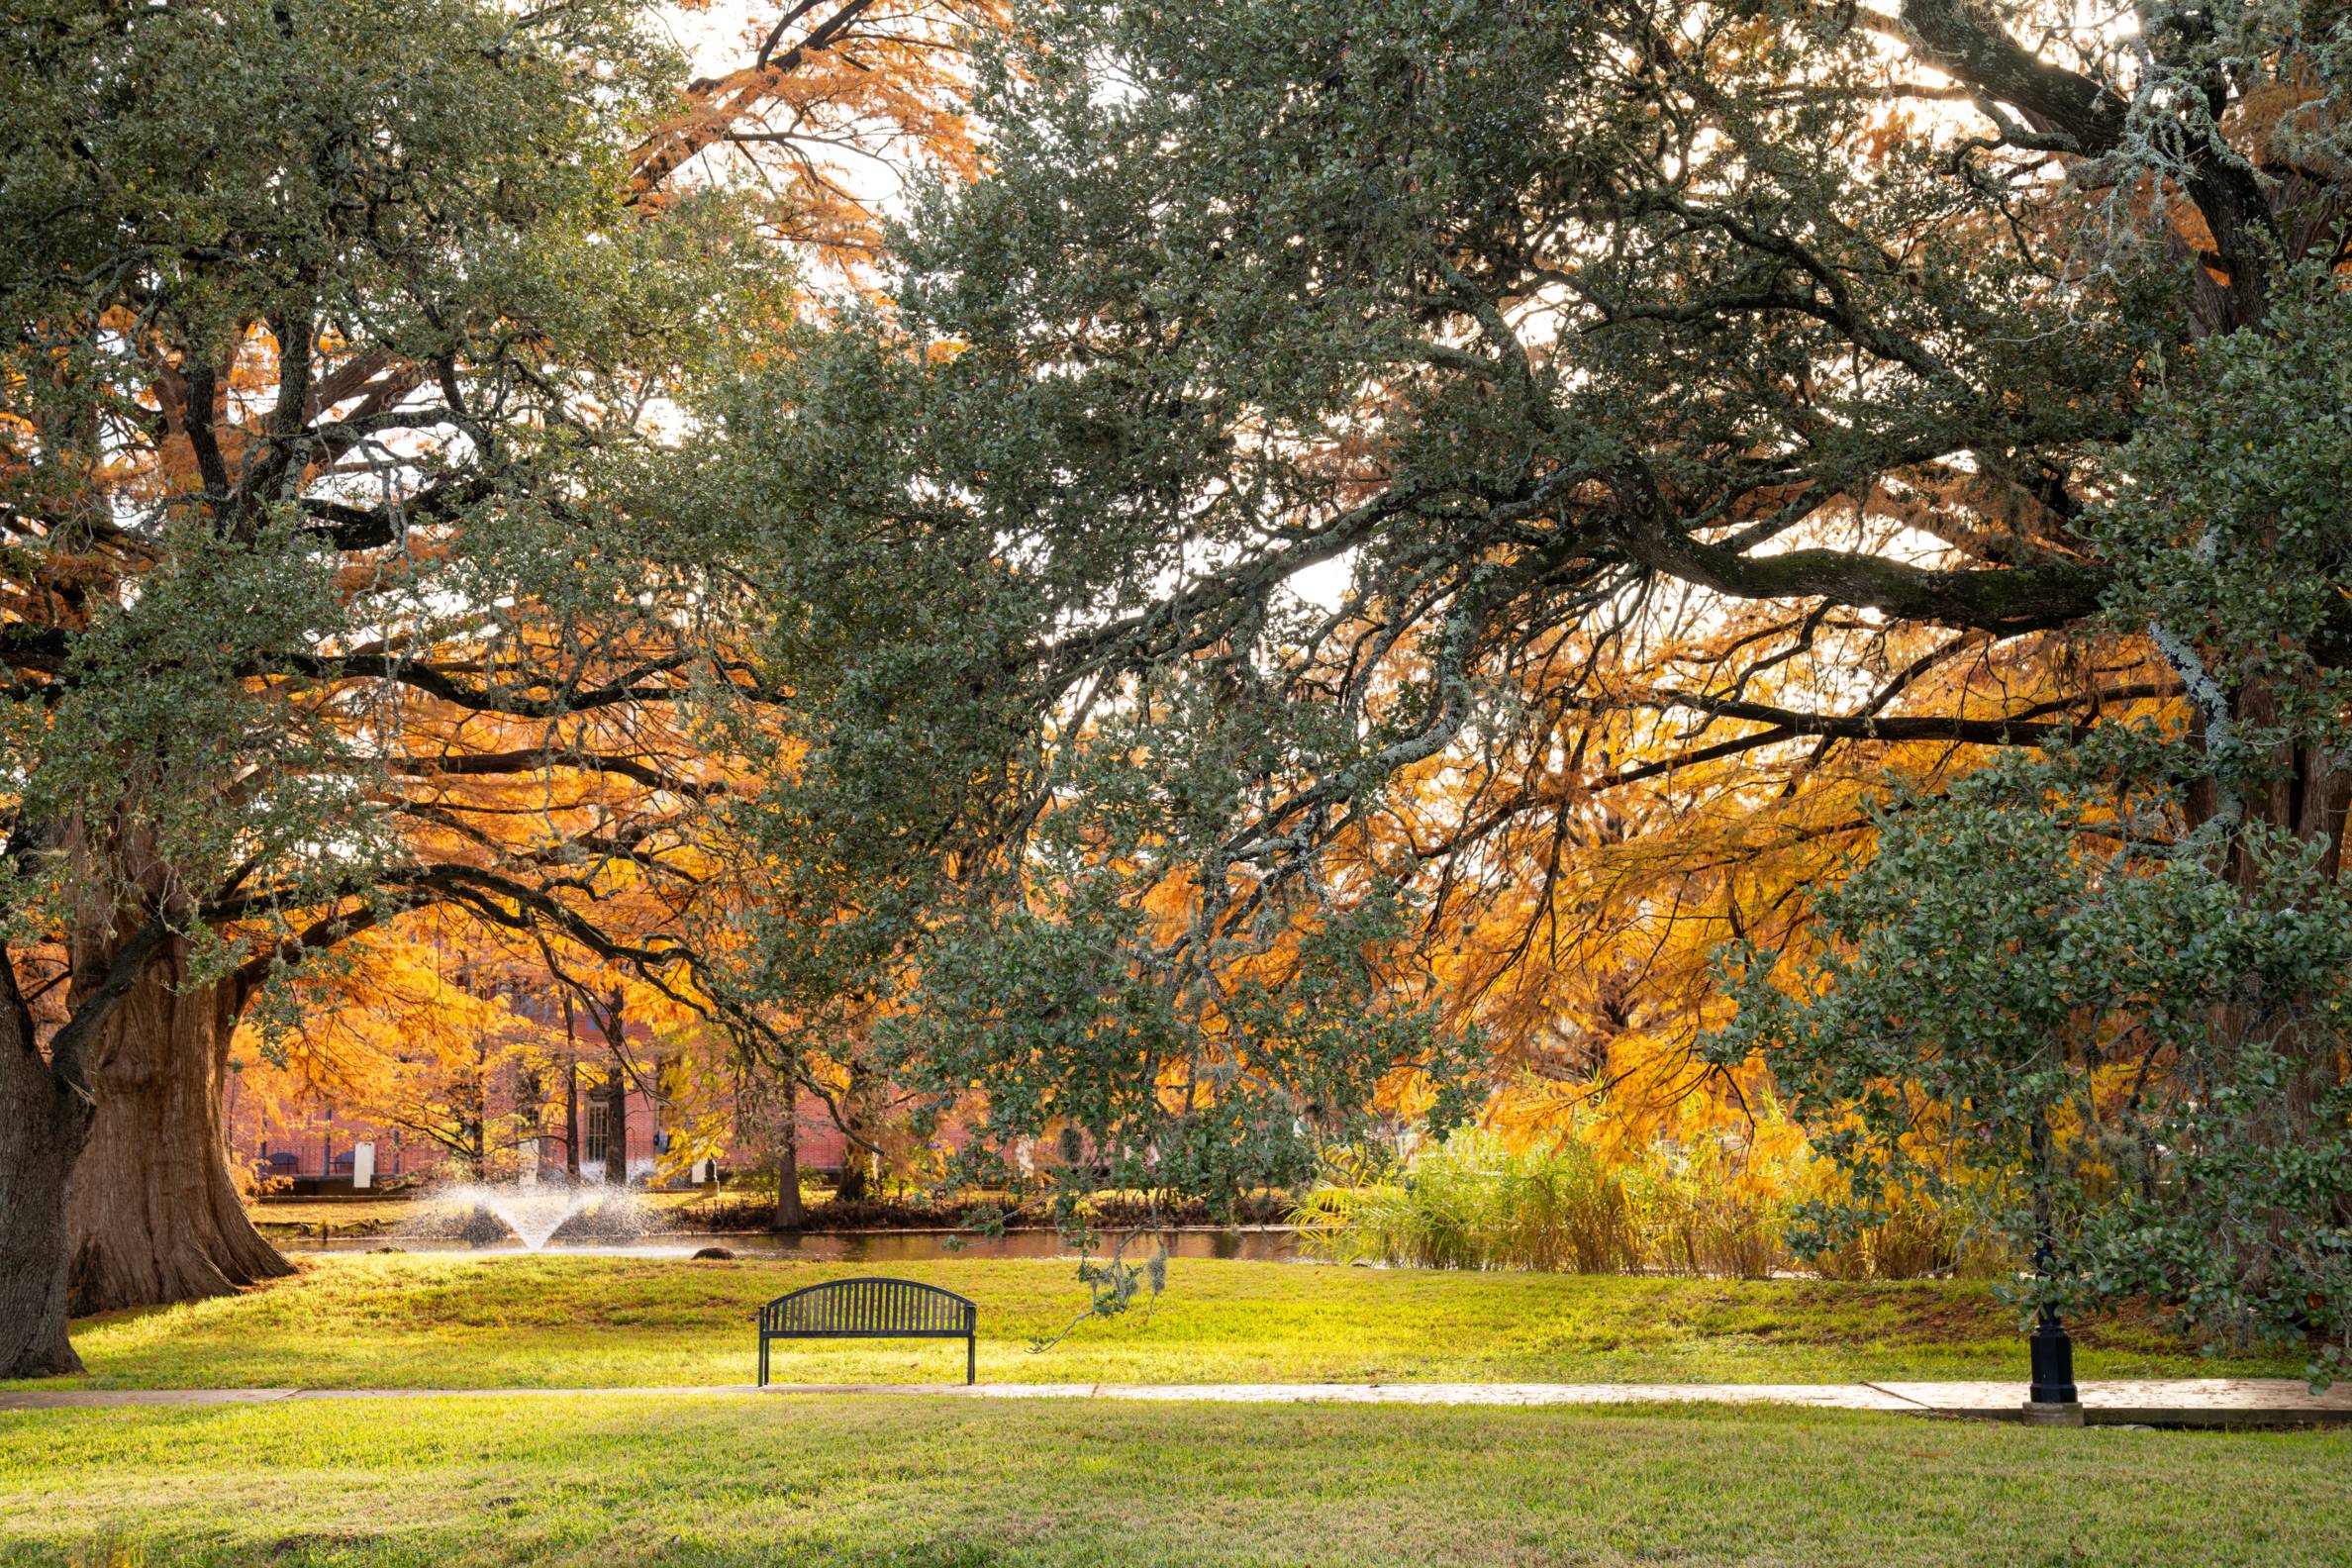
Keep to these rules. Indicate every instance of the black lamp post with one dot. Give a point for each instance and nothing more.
(2051, 1399)
(2053, 1351)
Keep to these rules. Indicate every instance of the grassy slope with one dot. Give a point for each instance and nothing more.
(828, 1481)
(392, 1322)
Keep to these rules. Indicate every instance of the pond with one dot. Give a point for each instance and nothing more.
(1271, 1245)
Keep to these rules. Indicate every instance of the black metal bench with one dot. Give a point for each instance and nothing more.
(871, 1308)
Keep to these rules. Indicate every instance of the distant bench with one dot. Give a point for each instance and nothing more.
(871, 1308)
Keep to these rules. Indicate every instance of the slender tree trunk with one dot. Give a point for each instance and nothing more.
(529, 1120)
(790, 1215)
(154, 1215)
(42, 1126)
(476, 1103)
(617, 1097)
(571, 1093)
(572, 1120)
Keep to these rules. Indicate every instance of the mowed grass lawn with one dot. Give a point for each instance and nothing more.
(818, 1481)
(441, 1322)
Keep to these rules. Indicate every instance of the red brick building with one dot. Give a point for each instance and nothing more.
(313, 1143)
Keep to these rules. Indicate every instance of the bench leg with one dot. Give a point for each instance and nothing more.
(971, 1360)
(763, 1361)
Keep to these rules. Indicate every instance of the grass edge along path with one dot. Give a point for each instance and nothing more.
(452, 1322)
(2239, 1403)
(716, 1480)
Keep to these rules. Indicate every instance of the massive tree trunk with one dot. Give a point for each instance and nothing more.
(154, 1215)
(42, 1126)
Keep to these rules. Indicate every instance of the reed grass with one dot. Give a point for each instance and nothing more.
(1706, 1209)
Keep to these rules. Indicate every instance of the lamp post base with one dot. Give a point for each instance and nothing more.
(2052, 1413)
(2053, 1363)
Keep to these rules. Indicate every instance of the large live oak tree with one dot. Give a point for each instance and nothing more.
(1322, 401)
(330, 330)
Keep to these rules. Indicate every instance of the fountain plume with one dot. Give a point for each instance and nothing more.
(539, 1213)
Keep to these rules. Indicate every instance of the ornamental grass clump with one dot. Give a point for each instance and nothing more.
(1712, 1206)
(1705, 1209)
(1474, 1203)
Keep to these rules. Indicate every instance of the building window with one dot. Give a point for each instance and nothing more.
(600, 1133)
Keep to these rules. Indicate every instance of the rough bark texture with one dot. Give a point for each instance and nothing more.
(156, 1215)
(42, 1124)
(790, 1215)
(859, 1168)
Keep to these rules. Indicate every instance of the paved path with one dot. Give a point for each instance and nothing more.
(2179, 1402)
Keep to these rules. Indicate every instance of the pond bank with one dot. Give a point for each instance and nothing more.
(1261, 1244)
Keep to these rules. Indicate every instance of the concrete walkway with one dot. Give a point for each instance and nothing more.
(2179, 1402)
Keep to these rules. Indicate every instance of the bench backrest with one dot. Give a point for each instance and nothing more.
(851, 1309)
